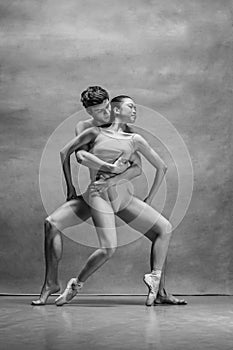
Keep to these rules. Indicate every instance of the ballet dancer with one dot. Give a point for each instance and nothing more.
(96, 102)
(113, 146)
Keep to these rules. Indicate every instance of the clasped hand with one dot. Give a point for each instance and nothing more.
(121, 164)
(106, 180)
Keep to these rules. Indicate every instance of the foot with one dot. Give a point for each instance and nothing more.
(169, 299)
(152, 281)
(46, 292)
(72, 288)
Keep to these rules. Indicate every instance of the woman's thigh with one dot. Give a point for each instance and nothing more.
(104, 221)
(71, 213)
(143, 218)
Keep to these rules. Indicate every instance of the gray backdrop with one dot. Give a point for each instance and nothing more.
(172, 56)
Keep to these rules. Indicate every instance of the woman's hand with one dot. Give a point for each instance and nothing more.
(120, 165)
(71, 194)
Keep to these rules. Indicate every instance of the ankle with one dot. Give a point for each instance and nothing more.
(51, 284)
(79, 283)
(157, 273)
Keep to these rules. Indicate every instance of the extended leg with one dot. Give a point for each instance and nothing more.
(69, 214)
(104, 221)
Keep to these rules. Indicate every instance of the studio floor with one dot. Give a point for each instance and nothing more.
(116, 322)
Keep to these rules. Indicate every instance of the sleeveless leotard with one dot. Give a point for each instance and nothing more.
(109, 146)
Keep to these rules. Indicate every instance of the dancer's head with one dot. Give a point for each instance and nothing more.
(123, 108)
(96, 101)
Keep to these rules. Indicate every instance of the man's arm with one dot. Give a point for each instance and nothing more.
(79, 128)
(83, 139)
(87, 159)
(130, 173)
(83, 125)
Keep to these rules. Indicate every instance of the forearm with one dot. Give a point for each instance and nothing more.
(129, 174)
(91, 161)
(65, 160)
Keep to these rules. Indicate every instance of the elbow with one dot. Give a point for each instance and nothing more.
(64, 155)
(164, 168)
(79, 156)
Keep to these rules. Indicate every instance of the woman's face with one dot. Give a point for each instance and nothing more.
(127, 111)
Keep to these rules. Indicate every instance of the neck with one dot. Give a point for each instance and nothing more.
(117, 125)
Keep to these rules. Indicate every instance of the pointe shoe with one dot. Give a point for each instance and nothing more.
(45, 294)
(37, 302)
(152, 282)
(72, 288)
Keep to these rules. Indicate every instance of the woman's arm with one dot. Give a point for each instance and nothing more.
(135, 169)
(84, 139)
(143, 147)
(130, 173)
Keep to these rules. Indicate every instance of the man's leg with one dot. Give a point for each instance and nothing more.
(143, 219)
(104, 221)
(163, 297)
(69, 214)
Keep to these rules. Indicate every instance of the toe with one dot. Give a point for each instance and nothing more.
(170, 299)
(37, 302)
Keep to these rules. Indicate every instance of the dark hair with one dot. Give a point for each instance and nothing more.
(93, 95)
(116, 101)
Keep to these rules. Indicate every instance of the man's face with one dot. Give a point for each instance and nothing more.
(100, 113)
(127, 111)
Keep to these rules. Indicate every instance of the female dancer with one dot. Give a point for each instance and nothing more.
(111, 145)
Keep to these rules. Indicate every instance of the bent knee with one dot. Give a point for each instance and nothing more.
(108, 252)
(166, 228)
(50, 224)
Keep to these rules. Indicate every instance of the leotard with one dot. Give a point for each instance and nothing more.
(109, 146)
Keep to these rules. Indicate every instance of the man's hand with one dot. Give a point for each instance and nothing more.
(100, 185)
(71, 194)
(121, 164)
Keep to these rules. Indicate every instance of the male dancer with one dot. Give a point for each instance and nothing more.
(96, 102)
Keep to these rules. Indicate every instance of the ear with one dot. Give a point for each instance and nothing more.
(116, 110)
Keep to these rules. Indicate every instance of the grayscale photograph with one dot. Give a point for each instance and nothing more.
(116, 175)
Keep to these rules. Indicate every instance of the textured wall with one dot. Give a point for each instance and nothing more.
(171, 56)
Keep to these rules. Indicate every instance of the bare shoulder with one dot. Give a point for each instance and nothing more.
(83, 125)
(138, 138)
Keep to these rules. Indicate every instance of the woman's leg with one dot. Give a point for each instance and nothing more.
(154, 226)
(71, 213)
(104, 221)
(140, 217)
